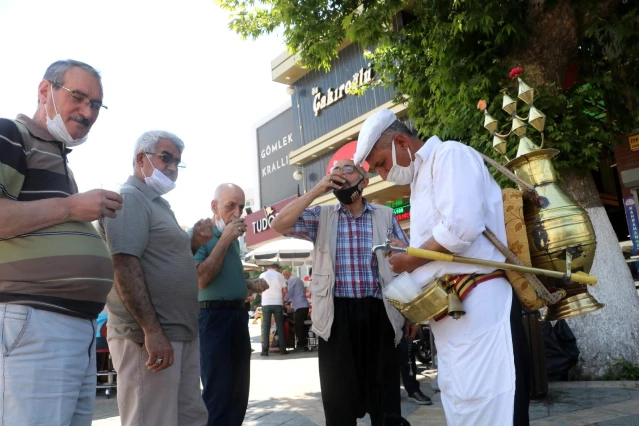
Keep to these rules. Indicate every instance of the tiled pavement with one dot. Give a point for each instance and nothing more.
(568, 403)
(285, 391)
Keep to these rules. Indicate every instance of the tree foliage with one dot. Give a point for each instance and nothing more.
(445, 55)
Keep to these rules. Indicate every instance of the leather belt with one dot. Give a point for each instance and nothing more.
(222, 304)
(463, 284)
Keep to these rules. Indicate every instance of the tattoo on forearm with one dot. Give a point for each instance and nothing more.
(129, 281)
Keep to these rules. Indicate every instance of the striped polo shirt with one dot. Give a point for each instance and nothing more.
(65, 268)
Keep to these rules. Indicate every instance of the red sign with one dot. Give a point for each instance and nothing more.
(403, 216)
(258, 224)
(347, 152)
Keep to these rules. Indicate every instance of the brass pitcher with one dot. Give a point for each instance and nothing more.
(560, 234)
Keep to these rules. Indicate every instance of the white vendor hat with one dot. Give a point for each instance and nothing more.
(370, 133)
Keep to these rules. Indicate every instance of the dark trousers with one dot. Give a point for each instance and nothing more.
(278, 312)
(301, 332)
(523, 370)
(225, 355)
(359, 365)
(408, 367)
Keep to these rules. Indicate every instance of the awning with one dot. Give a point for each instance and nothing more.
(287, 252)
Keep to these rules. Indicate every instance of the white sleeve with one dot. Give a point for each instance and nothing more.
(459, 192)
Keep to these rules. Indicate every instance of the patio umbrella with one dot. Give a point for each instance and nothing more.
(286, 252)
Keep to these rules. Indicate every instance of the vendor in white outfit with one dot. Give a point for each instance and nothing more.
(483, 356)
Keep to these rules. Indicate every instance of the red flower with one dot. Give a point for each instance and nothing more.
(515, 72)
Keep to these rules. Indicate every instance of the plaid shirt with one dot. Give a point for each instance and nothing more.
(356, 271)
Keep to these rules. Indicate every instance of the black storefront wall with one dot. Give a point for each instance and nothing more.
(275, 140)
(309, 126)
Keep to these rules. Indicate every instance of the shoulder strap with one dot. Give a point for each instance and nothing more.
(523, 185)
(539, 288)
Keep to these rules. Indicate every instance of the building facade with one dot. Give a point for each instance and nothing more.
(328, 115)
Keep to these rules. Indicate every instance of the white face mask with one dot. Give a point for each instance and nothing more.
(401, 175)
(219, 223)
(158, 181)
(58, 129)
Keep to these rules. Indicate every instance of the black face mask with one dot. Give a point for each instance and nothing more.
(348, 195)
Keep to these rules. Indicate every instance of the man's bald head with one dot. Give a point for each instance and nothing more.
(225, 188)
(228, 202)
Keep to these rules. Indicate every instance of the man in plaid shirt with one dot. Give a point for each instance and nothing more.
(359, 363)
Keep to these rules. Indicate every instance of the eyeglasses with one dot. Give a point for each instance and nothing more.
(81, 98)
(169, 159)
(346, 169)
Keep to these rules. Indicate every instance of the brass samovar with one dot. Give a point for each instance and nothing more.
(560, 234)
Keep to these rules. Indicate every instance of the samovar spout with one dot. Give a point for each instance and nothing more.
(387, 247)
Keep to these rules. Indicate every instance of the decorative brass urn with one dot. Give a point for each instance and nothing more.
(560, 234)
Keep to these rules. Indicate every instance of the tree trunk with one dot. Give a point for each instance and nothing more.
(555, 30)
(552, 44)
(610, 332)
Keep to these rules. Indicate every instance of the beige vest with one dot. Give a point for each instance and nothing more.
(323, 280)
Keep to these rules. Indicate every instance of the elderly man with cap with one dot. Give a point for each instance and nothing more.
(358, 330)
(483, 360)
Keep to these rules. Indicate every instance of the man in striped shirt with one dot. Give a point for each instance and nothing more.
(55, 270)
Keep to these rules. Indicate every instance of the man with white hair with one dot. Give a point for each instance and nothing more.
(152, 328)
(483, 357)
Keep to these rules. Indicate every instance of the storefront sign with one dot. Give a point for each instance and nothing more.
(403, 213)
(258, 224)
(401, 210)
(322, 101)
(633, 221)
(314, 120)
(633, 140)
(279, 161)
(274, 142)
